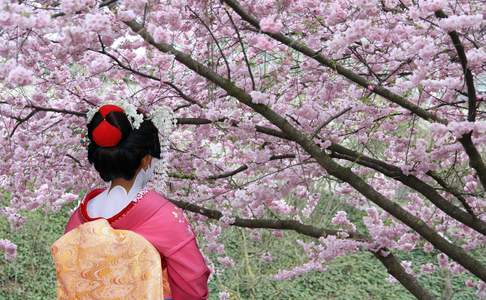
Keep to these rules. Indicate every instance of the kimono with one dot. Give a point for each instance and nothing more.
(166, 227)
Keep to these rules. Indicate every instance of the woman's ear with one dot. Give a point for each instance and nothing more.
(146, 160)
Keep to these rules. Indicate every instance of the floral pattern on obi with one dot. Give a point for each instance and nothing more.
(95, 261)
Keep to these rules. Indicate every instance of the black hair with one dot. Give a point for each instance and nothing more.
(123, 159)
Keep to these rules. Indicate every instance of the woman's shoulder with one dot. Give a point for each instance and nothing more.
(166, 221)
(153, 201)
(166, 207)
(154, 195)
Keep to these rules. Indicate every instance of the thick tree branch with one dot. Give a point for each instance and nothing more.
(390, 262)
(180, 121)
(57, 110)
(475, 160)
(296, 45)
(412, 182)
(471, 90)
(394, 267)
(294, 225)
(456, 253)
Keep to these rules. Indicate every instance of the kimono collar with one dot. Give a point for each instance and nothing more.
(119, 192)
(113, 202)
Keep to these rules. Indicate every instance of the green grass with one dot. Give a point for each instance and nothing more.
(32, 275)
(358, 276)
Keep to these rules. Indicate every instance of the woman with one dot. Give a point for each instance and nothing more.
(124, 153)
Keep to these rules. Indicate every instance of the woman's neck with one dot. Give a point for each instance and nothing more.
(126, 184)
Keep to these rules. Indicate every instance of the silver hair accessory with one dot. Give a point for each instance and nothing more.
(163, 118)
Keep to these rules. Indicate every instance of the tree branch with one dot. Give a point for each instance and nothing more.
(394, 267)
(390, 262)
(228, 70)
(475, 160)
(386, 93)
(471, 90)
(456, 253)
(253, 85)
(130, 69)
(74, 159)
(282, 224)
(332, 118)
(452, 191)
(412, 182)
(22, 120)
(57, 110)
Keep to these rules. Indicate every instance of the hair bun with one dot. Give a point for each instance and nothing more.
(105, 134)
(108, 108)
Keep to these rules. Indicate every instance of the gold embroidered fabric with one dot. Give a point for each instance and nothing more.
(95, 261)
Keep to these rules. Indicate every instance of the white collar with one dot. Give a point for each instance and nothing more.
(111, 201)
(119, 192)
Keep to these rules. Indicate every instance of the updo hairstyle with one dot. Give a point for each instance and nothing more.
(123, 159)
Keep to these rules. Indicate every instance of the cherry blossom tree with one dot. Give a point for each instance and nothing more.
(378, 100)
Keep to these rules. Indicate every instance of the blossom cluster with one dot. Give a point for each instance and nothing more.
(9, 248)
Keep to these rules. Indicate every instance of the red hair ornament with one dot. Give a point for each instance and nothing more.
(105, 134)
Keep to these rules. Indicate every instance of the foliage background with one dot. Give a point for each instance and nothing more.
(358, 276)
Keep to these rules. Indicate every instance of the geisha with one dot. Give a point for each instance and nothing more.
(124, 147)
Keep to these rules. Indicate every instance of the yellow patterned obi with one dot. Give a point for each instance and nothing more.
(95, 261)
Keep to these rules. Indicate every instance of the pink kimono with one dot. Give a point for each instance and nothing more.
(165, 226)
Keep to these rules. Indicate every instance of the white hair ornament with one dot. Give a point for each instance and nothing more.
(162, 117)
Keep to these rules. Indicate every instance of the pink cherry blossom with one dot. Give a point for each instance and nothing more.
(261, 98)
(226, 261)
(160, 35)
(10, 249)
(271, 24)
(427, 268)
(443, 261)
(461, 22)
(19, 76)
(224, 295)
(262, 42)
(341, 219)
